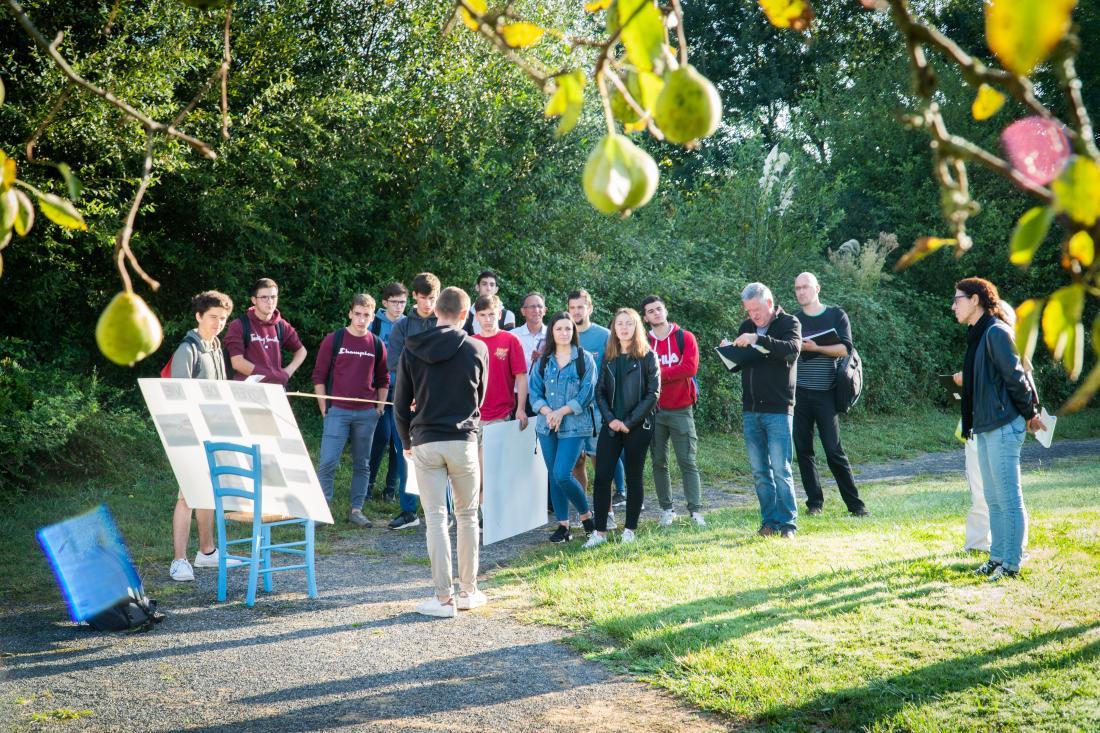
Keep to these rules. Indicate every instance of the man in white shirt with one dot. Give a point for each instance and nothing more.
(532, 333)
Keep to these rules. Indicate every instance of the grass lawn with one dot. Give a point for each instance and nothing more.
(876, 624)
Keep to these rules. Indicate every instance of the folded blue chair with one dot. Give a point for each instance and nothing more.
(258, 561)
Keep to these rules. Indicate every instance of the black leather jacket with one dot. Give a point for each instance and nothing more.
(641, 388)
(1002, 389)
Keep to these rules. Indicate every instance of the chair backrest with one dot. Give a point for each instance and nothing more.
(253, 472)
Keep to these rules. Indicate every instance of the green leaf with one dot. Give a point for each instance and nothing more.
(61, 211)
(921, 249)
(1077, 191)
(1062, 330)
(567, 100)
(1, 91)
(24, 217)
(1029, 233)
(9, 208)
(71, 181)
(1027, 326)
(1081, 248)
(1084, 393)
(1022, 33)
(643, 31)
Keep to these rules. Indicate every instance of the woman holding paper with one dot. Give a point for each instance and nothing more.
(998, 408)
(563, 384)
(630, 383)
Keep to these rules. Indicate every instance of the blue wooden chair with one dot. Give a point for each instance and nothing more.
(258, 561)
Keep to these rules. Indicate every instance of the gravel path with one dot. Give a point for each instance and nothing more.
(357, 658)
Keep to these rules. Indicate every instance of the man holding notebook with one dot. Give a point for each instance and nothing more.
(826, 338)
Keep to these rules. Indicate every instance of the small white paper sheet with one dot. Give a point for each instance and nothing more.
(188, 411)
(515, 481)
(1046, 436)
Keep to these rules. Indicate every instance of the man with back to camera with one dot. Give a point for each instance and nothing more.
(267, 333)
(767, 399)
(815, 396)
(351, 362)
(444, 372)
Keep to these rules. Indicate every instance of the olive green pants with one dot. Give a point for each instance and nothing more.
(679, 427)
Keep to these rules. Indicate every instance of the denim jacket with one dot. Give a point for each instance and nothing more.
(561, 386)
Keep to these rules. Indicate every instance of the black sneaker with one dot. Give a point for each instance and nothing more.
(814, 511)
(619, 499)
(405, 520)
(861, 512)
(561, 534)
(1001, 572)
(987, 567)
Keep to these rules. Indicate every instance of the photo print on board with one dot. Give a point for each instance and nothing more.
(260, 421)
(243, 392)
(173, 391)
(220, 420)
(210, 390)
(292, 447)
(177, 429)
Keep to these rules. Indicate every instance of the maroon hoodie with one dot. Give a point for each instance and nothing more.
(357, 373)
(263, 349)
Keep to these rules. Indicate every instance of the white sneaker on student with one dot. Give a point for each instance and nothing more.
(697, 517)
(626, 537)
(595, 540)
(611, 523)
(432, 607)
(467, 601)
(202, 560)
(181, 570)
(668, 516)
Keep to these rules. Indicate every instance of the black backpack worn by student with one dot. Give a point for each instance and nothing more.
(246, 338)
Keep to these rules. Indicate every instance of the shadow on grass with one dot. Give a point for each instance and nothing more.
(861, 707)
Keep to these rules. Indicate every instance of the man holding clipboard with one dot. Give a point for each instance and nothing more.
(826, 338)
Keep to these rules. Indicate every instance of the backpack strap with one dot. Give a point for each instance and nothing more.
(377, 357)
(679, 334)
(376, 326)
(337, 344)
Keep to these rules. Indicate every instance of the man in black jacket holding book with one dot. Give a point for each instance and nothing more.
(767, 397)
(826, 338)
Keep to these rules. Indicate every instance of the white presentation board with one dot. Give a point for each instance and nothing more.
(515, 482)
(188, 411)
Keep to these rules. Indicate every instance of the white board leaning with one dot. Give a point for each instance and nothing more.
(515, 482)
(188, 411)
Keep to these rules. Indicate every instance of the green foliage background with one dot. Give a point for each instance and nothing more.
(366, 147)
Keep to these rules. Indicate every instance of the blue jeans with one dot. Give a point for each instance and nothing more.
(341, 424)
(999, 460)
(768, 441)
(561, 455)
(386, 441)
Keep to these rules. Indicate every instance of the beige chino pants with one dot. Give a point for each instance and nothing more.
(434, 464)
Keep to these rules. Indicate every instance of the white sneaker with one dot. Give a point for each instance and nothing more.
(467, 601)
(668, 516)
(202, 560)
(626, 537)
(697, 517)
(432, 607)
(595, 540)
(611, 523)
(181, 570)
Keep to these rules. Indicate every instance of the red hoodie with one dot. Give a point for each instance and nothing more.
(264, 351)
(677, 369)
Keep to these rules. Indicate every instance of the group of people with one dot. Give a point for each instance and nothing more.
(613, 395)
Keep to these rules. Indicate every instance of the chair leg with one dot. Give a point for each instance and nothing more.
(221, 558)
(254, 568)
(311, 576)
(268, 582)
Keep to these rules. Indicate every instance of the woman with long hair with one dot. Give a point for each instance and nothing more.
(627, 392)
(999, 407)
(563, 384)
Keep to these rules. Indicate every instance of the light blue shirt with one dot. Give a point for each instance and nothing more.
(594, 341)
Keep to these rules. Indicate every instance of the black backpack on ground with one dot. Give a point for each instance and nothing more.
(132, 614)
(849, 381)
